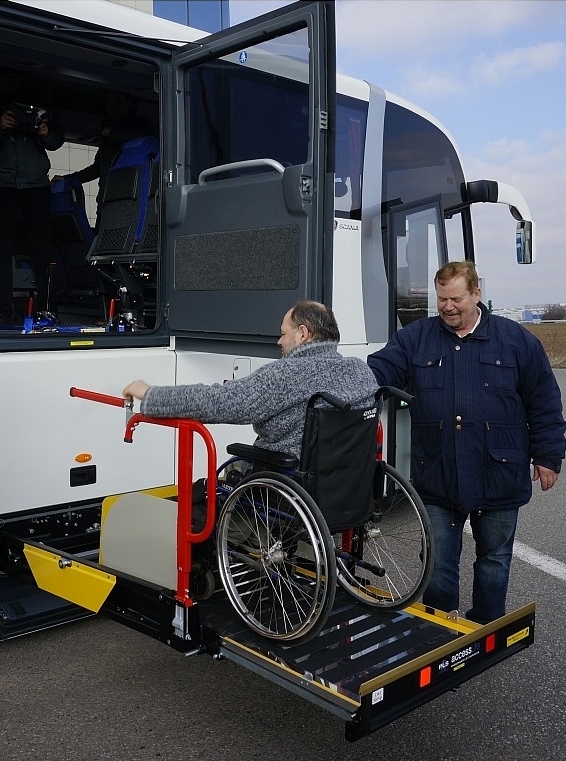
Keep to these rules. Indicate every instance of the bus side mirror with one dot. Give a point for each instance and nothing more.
(524, 242)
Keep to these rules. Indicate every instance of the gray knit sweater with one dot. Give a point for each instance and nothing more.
(273, 398)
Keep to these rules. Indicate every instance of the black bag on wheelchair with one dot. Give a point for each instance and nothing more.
(338, 460)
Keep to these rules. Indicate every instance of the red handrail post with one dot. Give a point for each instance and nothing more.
(184, 510)
(187, 427)
(185, 535)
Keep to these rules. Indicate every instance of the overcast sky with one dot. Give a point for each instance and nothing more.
(494, 73)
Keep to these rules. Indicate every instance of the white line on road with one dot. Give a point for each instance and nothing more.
(543, 562)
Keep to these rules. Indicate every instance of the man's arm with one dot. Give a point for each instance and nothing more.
(390, 365)
(50, 134)
(541, 398)
(89, 173)
(243, 401)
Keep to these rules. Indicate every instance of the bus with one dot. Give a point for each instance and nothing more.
(270, 178)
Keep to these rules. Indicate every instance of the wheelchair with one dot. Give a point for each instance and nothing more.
(289, 531)
(283, 533)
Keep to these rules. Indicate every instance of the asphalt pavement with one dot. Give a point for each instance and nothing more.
(96, 691)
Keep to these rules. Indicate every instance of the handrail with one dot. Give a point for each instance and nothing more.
(235, 165)
(95, 396)
(187, 427)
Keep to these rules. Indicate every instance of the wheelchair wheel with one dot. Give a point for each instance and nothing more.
(388, 561)
(276, 557)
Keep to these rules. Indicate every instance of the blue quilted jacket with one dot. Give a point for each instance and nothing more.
(485, 407)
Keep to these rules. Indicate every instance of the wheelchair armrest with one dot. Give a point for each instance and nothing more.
(266, 457)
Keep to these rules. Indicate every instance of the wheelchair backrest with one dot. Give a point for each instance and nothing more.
(338, 459)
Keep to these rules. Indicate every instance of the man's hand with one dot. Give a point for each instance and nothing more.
(135, 390)
(7, 120)
(546, 477)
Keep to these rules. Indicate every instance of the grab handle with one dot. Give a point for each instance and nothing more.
(235, 165)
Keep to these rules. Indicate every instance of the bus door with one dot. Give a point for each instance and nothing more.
(417, 248)
(249, 196)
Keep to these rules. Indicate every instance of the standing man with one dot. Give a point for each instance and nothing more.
(273, 398)
(26, 134)
(487, 406)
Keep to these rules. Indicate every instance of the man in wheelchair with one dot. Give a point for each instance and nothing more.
(274, 398)
(314, 508)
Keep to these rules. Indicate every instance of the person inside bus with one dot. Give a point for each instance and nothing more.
(120, 124)
(487, 405)
(27, 132)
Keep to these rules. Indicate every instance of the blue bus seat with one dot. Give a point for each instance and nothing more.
(124, 222)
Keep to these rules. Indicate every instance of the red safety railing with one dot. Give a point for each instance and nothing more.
(187, 427)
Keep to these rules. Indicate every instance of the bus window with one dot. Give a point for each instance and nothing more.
(454, 238)
(351, 121)
(418, 243)
(419, 160)
(239, 112)
(254, 153)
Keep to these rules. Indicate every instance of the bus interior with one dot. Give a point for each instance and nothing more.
(58, 75)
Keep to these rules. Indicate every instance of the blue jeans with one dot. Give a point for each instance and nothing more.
(494, 533)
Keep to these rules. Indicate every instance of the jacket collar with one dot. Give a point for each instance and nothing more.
(317, 348)
(481, 330)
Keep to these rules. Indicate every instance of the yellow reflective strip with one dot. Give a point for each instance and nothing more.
(69, 579)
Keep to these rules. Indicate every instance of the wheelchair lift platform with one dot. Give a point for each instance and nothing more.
(368, 666)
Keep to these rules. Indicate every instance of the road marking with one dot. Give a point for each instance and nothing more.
(543, 562)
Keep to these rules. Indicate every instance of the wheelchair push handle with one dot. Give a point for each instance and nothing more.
(384, 391)
(334, 401)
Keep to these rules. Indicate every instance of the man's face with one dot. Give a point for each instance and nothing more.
(291, 336)
(456, 305)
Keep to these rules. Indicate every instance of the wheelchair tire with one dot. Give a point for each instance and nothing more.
(390, 560)
(276, 557)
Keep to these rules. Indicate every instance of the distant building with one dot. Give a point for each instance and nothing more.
(512, 313)
(529, 313)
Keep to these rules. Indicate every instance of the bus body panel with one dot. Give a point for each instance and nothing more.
(50, 439)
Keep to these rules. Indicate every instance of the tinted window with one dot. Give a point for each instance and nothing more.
(351, 122)
(239, 113)
(419, 161)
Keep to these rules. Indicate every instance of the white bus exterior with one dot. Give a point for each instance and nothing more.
(400, 207)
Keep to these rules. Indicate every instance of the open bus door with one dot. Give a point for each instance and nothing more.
(249, 202)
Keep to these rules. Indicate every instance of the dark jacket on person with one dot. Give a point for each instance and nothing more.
(485, 407)
(23, 159)
(121, 131)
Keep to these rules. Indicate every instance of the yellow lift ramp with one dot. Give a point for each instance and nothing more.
(366, 666)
